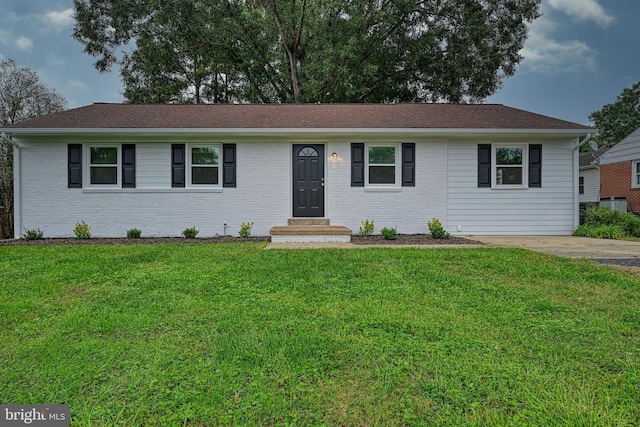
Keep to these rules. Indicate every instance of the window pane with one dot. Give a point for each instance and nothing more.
(204, 175)
(104, 156)
(204, 156)
(382, 174)
(509, 176)
(382, 155)
(104, 175)
(508, 156)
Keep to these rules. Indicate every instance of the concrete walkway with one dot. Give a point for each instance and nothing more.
(566, 246)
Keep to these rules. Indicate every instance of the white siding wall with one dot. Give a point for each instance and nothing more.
(591, 185)
(261, 195)
(533, 211)
(407, 208)
(446, 188)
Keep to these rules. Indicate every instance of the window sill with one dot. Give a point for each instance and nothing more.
(383, 189)
(150, 190)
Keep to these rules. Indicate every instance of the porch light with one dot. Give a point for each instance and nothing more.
(334, 156)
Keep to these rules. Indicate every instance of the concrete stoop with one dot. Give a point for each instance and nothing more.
(310, 230)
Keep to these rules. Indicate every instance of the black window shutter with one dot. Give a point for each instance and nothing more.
(74, 166)
(357, 164)
(484, 165)
(535, 165)
(177, 165)
(409, 164)
(128, 166)
(228, 165)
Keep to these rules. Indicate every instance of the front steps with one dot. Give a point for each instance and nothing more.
(310, 230)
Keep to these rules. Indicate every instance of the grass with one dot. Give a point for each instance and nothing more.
(230, 334)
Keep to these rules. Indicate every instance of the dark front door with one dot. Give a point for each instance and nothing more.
(308, 180)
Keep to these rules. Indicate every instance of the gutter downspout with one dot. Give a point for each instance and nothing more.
(576, 180)
(17, 185)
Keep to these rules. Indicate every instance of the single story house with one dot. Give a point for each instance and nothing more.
(480, 169)
(620, 172)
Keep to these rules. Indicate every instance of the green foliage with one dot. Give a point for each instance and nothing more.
(245, 229)
(437, 230)
(389, 233)
(190, 233)
(34, 234)
(134, 233)
(600, 231)
(306, 51)
(616, 121)
(233, 335)
(22, 97)
(82, 230)
(611, 224)
(367, 228)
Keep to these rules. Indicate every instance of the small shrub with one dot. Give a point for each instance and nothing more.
(600, 231)
(82, 230)
(437, 230)
(245, 229)
(603, 216)
(367, 228)
(36, 234)
(190, 233)
(134, 233)
(389, 233)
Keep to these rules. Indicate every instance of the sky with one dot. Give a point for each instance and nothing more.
(580, 55)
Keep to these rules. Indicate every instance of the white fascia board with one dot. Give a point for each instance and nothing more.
(289, 133)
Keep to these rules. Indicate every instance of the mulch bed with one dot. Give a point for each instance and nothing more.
(403, 239)
(411, 239)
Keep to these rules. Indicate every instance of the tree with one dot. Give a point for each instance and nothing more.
(22, 97)
(616, 121)
(306, 50)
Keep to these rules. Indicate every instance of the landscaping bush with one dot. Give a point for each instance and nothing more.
(367, 228)
(437, 230)
(190, 233)
(134, 233)
(389, 233)
(600, 231)
(602, 221)
(82, 230)
(36, 234)
(245, 229)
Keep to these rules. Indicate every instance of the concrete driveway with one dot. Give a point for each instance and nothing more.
(569, 246)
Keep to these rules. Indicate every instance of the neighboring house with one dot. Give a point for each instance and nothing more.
(620, 172)
(479, 169)
(589, 180)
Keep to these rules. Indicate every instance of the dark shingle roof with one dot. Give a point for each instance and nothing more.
(591, 157)
(297, 116)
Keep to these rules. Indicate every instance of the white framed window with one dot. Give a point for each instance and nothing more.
(635, 174)
(104, 165)
(510, 167)
(204, 165)
(382, 165)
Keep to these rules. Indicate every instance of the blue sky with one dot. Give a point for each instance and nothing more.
(579, 56)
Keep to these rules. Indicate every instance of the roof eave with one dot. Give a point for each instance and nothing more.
(289, 132)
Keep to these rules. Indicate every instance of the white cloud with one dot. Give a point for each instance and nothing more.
(23, 43)
(58, 20)
(5, 37)
(544, 54)
(583, 10)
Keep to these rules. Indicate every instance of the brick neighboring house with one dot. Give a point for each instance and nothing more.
(620, 172)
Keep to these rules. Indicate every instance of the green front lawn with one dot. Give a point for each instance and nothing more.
(230, 334)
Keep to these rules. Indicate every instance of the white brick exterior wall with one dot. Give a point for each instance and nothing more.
(446, 188)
